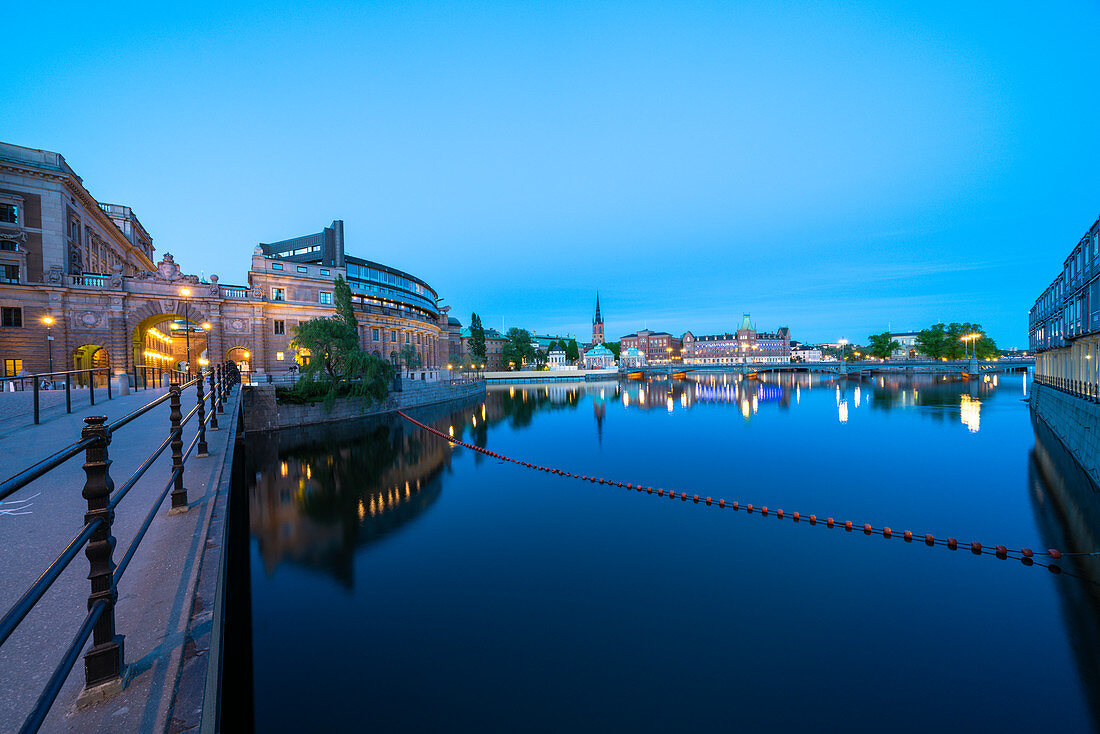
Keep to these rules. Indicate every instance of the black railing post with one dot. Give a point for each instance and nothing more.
(91, 386)
(221, 393)
(103, 662)
(213, 398)
(201, 449)
(108, 373)
(179, 493)
(35, 386)
(135, 377)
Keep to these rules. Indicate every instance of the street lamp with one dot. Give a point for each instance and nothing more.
(48, 321)
(185, 292)
(842, 343)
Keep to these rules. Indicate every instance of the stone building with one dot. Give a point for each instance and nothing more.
(494, 348)
(599, 357)
(659, 347)
(88, 268)
(631, 357)
(745, 346)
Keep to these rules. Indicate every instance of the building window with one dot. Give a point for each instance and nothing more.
(407, 338)
(9, 214)
(374, 334)
(417, 338)
(278, 294)
(74, 230)
(11, 317)
(12, 367)
(279, 356)
(303, 269)
(324, 272)
(326, 298)
(280, 327)
(276, 266)
(9, 274)
(393, 336)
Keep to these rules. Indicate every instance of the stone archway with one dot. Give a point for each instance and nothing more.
(241, 356)
(90, 356)
(158, 338)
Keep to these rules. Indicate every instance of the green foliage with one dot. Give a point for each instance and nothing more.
(947, 341)
(477, 338)
(338, 367)
(572, 351)
(614, 347)
(409, 357)
(517, 350)
(882, 345)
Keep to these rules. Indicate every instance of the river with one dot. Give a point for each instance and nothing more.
(401, 583)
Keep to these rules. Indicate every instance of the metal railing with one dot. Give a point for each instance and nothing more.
(1078, 388)
(43, 380)
(104, 661)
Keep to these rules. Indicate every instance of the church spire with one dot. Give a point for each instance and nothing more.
(599, 318)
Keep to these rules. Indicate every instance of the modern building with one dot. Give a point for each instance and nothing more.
(597, 324)
(659, 347)
(1064, 323)
(599, 357)
(631, 357)
(87, 268)
(745, 346)
(494, 348)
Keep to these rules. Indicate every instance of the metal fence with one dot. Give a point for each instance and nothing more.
(1079, 388)
(103, 663)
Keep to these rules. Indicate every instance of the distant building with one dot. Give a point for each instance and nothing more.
(907, 345)
(805, 353)
(597, 324)
(555, 360)
(745, 346)
(599, 357)
(631, 357)
(494, 346)
(659, 347)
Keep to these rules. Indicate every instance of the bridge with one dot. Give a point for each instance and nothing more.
(959, 366)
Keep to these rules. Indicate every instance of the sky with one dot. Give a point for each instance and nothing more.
(837, 168)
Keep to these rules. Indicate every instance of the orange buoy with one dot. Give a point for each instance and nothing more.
(721, 503)
(593, 480)
(976, 548)
(1002, 552)
(1026, 553)
(952, 543)
(660, 492)
(795, 517)
(813, 519)
(1054, 569)
(736, 504)
(749, 508)
(930, 539)
(779, 514)
(867, 528)
(649, 490)
(886, 532)
(708, 500)
(848, 525)
(1054, 554)
(908, 536)
(829, 522)
(630, 486)
(695, 498)
(683, 496)
(601, 480)
(764, 510)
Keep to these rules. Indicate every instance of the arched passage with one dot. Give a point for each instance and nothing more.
(90, 356)
(241, 356)
(167, 340)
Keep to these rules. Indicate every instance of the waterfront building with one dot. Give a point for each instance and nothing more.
(745, 346)
(1064, 323)
(88, 268)
(659, 347)
(555, 359)
(805, 353)
(494, 348)
(907, 345)
(597, 324)
(599, 357)
(631, 357)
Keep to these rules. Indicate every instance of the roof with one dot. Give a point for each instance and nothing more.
(489, 334)
(557, 350)
(452, 321)
(599, 351)
(745, 323)
(632, 352)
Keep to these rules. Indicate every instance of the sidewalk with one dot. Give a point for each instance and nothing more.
(17, 408)
(155, 595)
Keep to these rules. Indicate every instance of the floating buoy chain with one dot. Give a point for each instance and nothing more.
(1025, 555)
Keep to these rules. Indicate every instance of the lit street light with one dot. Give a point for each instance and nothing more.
(48, 321)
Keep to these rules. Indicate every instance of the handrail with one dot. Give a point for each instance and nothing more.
(104, 659)
(55, 374)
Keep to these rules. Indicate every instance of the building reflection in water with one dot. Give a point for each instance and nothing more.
(1066, 504)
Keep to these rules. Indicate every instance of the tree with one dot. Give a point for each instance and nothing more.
(517, 350)
(477, 338)
(932, 342)
(882, 345)
(572, 351)
(410, 357)
(614, 347)
(947, 341)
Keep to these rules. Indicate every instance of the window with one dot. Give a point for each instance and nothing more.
(324, 272)
(303, 269)
(417, 338)
(9, 274)
(11, 317)
(393, 336)
(9, 214)
(12, 367)
(374, 334)
(280, 327)
(326, 297)
(407, 338)
(279, 356)
(276, 266)
(74, 229)
(278, 294)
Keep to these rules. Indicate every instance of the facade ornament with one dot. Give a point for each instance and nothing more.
(215, 289)
(9, 236)
(54, 276)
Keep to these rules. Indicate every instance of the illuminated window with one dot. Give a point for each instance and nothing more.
(12, 367)
(278, 294)
(324, 272)
(303, 269)
(326, 298)
(279, 356)
(276, 266)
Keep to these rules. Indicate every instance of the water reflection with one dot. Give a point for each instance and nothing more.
(1067, 509)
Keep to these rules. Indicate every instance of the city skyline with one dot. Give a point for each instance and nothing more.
(689, 165)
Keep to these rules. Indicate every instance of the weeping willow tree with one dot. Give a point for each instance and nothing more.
(339, 367)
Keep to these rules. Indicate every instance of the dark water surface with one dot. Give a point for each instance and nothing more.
(402, 584)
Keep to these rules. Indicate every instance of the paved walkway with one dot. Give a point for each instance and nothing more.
(17, 408)
(156, 594)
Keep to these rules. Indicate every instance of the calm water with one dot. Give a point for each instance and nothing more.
(401, 584)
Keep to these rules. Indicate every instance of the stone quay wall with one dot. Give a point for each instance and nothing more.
(1074, 421)
(262, 413)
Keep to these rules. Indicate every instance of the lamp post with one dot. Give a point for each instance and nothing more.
(185, 292)
(48, 321)
(842, 343)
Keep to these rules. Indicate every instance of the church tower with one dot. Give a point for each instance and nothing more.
(597, 324)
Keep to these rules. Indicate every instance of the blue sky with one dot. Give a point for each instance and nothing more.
(833, 167)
